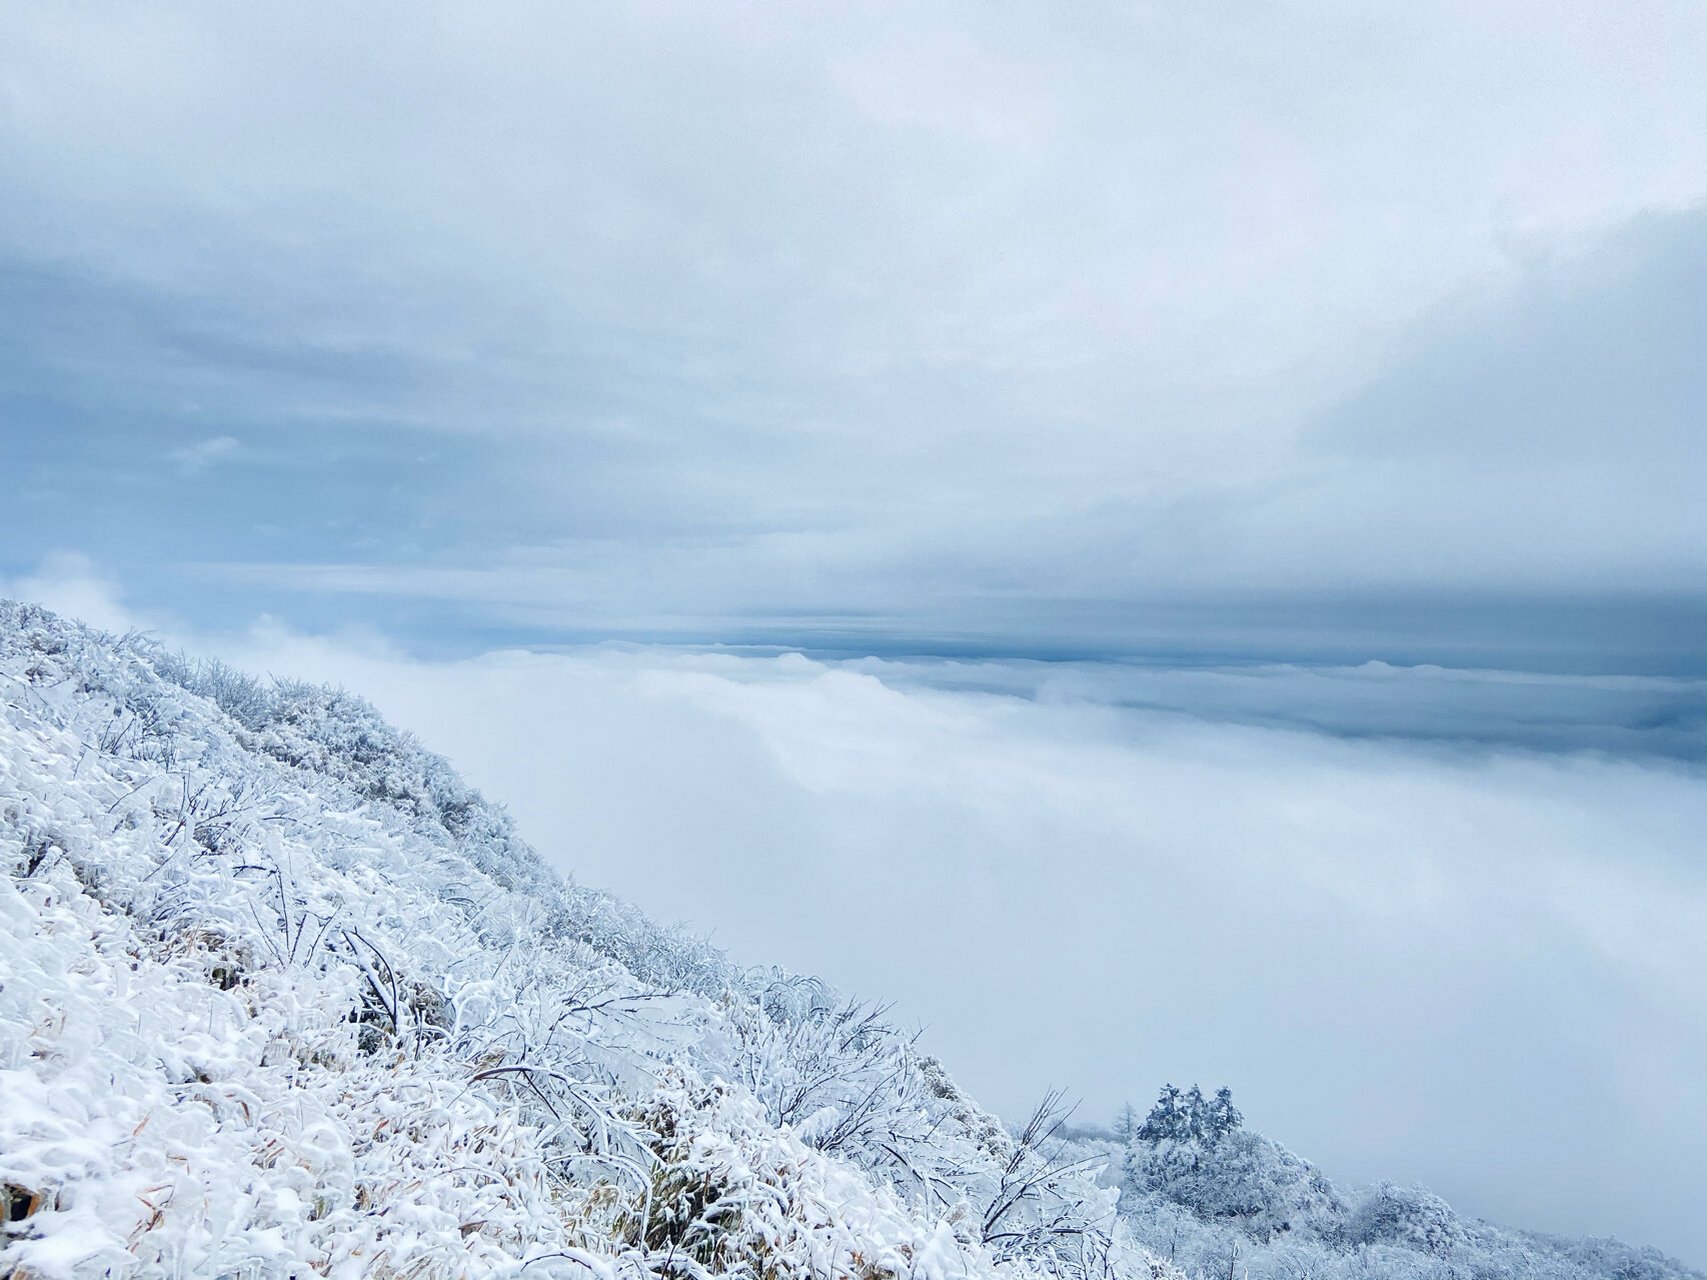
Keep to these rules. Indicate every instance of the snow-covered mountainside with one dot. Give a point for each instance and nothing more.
(1216, 1199)
(281, 996)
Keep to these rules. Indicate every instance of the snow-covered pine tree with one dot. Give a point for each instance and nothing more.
(1224, 1117)
(1165, 1122)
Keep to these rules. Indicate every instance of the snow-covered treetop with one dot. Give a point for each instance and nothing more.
(1189, 1117)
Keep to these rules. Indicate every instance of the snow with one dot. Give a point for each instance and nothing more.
(282, 996)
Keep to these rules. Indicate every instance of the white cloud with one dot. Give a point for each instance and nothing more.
(70, 583)
(193, 459)
(991, 189)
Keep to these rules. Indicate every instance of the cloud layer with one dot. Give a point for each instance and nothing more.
(955, 322)
(1479, 968)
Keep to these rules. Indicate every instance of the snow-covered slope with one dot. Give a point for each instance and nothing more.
(280, 995)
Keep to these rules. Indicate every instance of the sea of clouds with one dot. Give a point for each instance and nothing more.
(1472, 959)
(1429, 924)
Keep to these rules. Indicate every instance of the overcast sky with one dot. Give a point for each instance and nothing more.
(946, 322)
(420, 347)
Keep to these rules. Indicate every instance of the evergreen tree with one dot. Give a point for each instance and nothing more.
(1165, 1122)
(1195, 1120)
(1224, 1117)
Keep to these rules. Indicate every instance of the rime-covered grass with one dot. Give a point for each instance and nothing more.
(282, 996)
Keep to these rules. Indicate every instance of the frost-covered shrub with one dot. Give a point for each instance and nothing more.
(1194, 1152)
(1217, 1200)
(836, 1074)
(1613, 1259)
(1408, 1216)
(733, 1195)
(240, 695)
